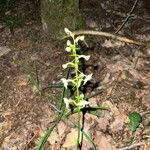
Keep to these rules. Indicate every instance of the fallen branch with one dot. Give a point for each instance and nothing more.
(106, 34)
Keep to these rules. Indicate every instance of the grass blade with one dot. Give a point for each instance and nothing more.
(59, 117)
(89, 140)
(45, 137)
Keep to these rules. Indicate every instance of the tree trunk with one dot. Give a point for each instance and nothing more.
(58, 14)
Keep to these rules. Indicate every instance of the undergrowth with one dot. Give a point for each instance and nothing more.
(77, 102)
(73, 99)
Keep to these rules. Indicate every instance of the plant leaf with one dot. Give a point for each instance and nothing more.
(45, 137)
(87, 109)
(89, 140)
(135, 120)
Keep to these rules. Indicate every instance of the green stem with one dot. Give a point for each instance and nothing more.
(77, 90)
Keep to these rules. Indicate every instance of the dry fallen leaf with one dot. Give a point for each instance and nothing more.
(53, 138)
(146, 100)
(61, 128)
(102, 142)
(71, 139)
(119, 122)
(112, 107)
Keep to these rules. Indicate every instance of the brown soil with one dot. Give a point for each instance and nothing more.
(122, 71)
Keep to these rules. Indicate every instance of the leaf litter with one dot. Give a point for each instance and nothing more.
(122, 69)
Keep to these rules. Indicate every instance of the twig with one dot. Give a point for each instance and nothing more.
(37, 78)
(145, 113)
(106, 34)
(132, 146)
(25, 146)
(129, 16)
(54, 107)
(144, 18)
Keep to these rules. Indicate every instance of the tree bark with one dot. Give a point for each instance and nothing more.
(59, 14)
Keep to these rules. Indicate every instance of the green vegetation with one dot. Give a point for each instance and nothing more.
(135, 120)
(12, 23)
(33, 76)
(78, 103)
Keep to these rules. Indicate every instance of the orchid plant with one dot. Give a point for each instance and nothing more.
(80, 78)
(76, 102)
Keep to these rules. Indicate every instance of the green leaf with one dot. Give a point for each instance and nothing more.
(135, 120)
(87, 110)
(33, 75)
(45, 137)
(89, 140)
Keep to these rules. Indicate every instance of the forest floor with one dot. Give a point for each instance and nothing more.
(120, 70)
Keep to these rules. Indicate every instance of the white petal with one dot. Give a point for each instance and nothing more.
(68, 49)
(66, 102)
(67, 31)
(82, 38)
(87, 78)
(65, 65)
(85, 57)
(79, 38)
(68, 43)
(83, 103)
(65, 82)
(81, 76)
(69, 63)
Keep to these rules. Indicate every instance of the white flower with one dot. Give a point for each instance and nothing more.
(65, 82)
(87, 78)
(79, 38)
(68, 49)
(67, 31)
(83, 103)
(68, 43)
(65, 66)
(85, 57)
(80, 79)
(68, 102)
(82, 38)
